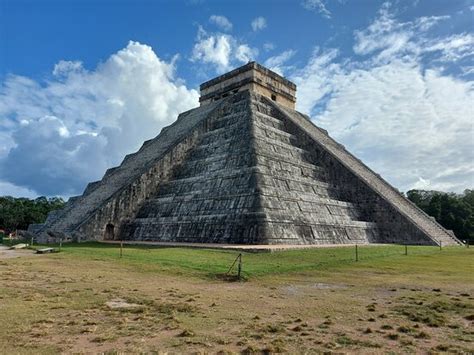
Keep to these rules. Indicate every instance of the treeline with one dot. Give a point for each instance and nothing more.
(452, 211)
(18, 213)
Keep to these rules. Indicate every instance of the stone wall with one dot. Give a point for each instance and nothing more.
(254, 77)
(398, 219)
(122, 206)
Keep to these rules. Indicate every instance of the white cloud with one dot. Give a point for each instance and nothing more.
(244, 53)
(213, 49)
(452, 48)
(221, 50)
(65, 67)
(8, 189)
(277, 63)
(409, 121)
(258, 23)
(386, 38)
(315, 80)
(222, 22)
(268, 46)
(318, 6)
(80, 123)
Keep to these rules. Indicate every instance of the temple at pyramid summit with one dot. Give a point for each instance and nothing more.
(243, 168)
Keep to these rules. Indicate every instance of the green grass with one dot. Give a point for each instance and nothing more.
(294, 301)
(209, 263)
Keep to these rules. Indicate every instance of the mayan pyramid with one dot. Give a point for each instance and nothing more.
(243, 168)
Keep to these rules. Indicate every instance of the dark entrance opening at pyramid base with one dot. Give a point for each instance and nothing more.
(245, 169)
(109, 233)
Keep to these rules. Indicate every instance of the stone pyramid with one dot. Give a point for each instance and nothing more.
(243, 168)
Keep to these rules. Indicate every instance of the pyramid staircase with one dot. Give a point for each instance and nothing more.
(249, 181)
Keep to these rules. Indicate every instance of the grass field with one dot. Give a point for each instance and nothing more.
(175, 300)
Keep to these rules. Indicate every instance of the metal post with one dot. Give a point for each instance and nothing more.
(357, 253)
(406, 249)
(467, 244)
(31, 244)
(239, 266)
(121, 248)
(60, 243)
(440, 244)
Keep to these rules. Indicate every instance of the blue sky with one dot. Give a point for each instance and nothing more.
(82, 83)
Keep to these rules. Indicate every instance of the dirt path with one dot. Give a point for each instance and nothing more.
(7, 253)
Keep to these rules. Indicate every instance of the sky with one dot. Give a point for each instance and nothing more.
(83, 83)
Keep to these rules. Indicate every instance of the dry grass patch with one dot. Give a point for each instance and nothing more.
(58, 303)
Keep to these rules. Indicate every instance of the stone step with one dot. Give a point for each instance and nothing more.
(243, 214)
(268, 121)
(208, 150)
(240, 232)
(249, 177)
(196, 204)
(276, 137)
(215, 164)
(269, 158)
(232, 129)
(274, 133)
(305, 176)
(290, 233)
(261, 106)
(244, 157)
(228, 120)
(326, 193)
(240, 215)
(383, 189)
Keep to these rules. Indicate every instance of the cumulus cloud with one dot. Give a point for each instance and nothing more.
(213, 49)
(66, 131)
(221, 50)
(318, 6)
(258, 23)
(222, 22)
(65, 67)
(406, 119)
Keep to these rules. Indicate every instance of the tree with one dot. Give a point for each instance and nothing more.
(18, 213)
(452, 211)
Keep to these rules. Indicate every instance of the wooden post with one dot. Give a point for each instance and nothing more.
(357, 253)
(406, 249)
(60, 243)
(31, 244)
(121, 248)
(239, 269)
(440, 244)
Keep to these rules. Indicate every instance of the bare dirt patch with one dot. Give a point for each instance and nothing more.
(118, 303)
(7, 253)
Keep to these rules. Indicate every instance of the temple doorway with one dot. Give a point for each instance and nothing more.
(109, 232)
